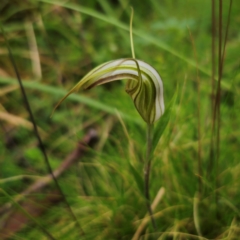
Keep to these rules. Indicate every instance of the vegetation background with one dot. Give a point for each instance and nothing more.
(195, 171)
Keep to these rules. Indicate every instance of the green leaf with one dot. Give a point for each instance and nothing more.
(163, 122)
(138, 178)
(55, 91)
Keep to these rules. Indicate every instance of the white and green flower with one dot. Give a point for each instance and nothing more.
(144, 85)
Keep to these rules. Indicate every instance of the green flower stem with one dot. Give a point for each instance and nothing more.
(147, 172)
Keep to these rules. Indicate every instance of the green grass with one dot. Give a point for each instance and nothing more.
(102, 188)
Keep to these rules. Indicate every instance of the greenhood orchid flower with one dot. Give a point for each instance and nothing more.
(144, 85)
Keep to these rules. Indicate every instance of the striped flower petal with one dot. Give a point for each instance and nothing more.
(144, 85)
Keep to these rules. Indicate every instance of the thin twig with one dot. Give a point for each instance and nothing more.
(213, 95)
(226, 34)
(42, 182)
(200, 173)
(35, 129)
(221, 54)
(213, 54)
(217, 113)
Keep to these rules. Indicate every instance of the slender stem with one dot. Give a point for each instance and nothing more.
(212, 154)
(147, 173)
(149, 144)
(218, 100)
(199, 154)
(131, 34)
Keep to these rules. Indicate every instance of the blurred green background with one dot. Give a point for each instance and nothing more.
(54, 44)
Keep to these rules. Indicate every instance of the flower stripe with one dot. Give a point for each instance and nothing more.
(144, 84)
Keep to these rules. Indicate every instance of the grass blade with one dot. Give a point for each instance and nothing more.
(163, 122)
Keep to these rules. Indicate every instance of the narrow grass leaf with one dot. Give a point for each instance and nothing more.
(163, 122)
(74, 97)
(138, 178)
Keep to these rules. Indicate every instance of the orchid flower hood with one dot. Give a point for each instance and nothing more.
(144, 85)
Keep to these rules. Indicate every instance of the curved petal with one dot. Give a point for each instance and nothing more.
(144, 84)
